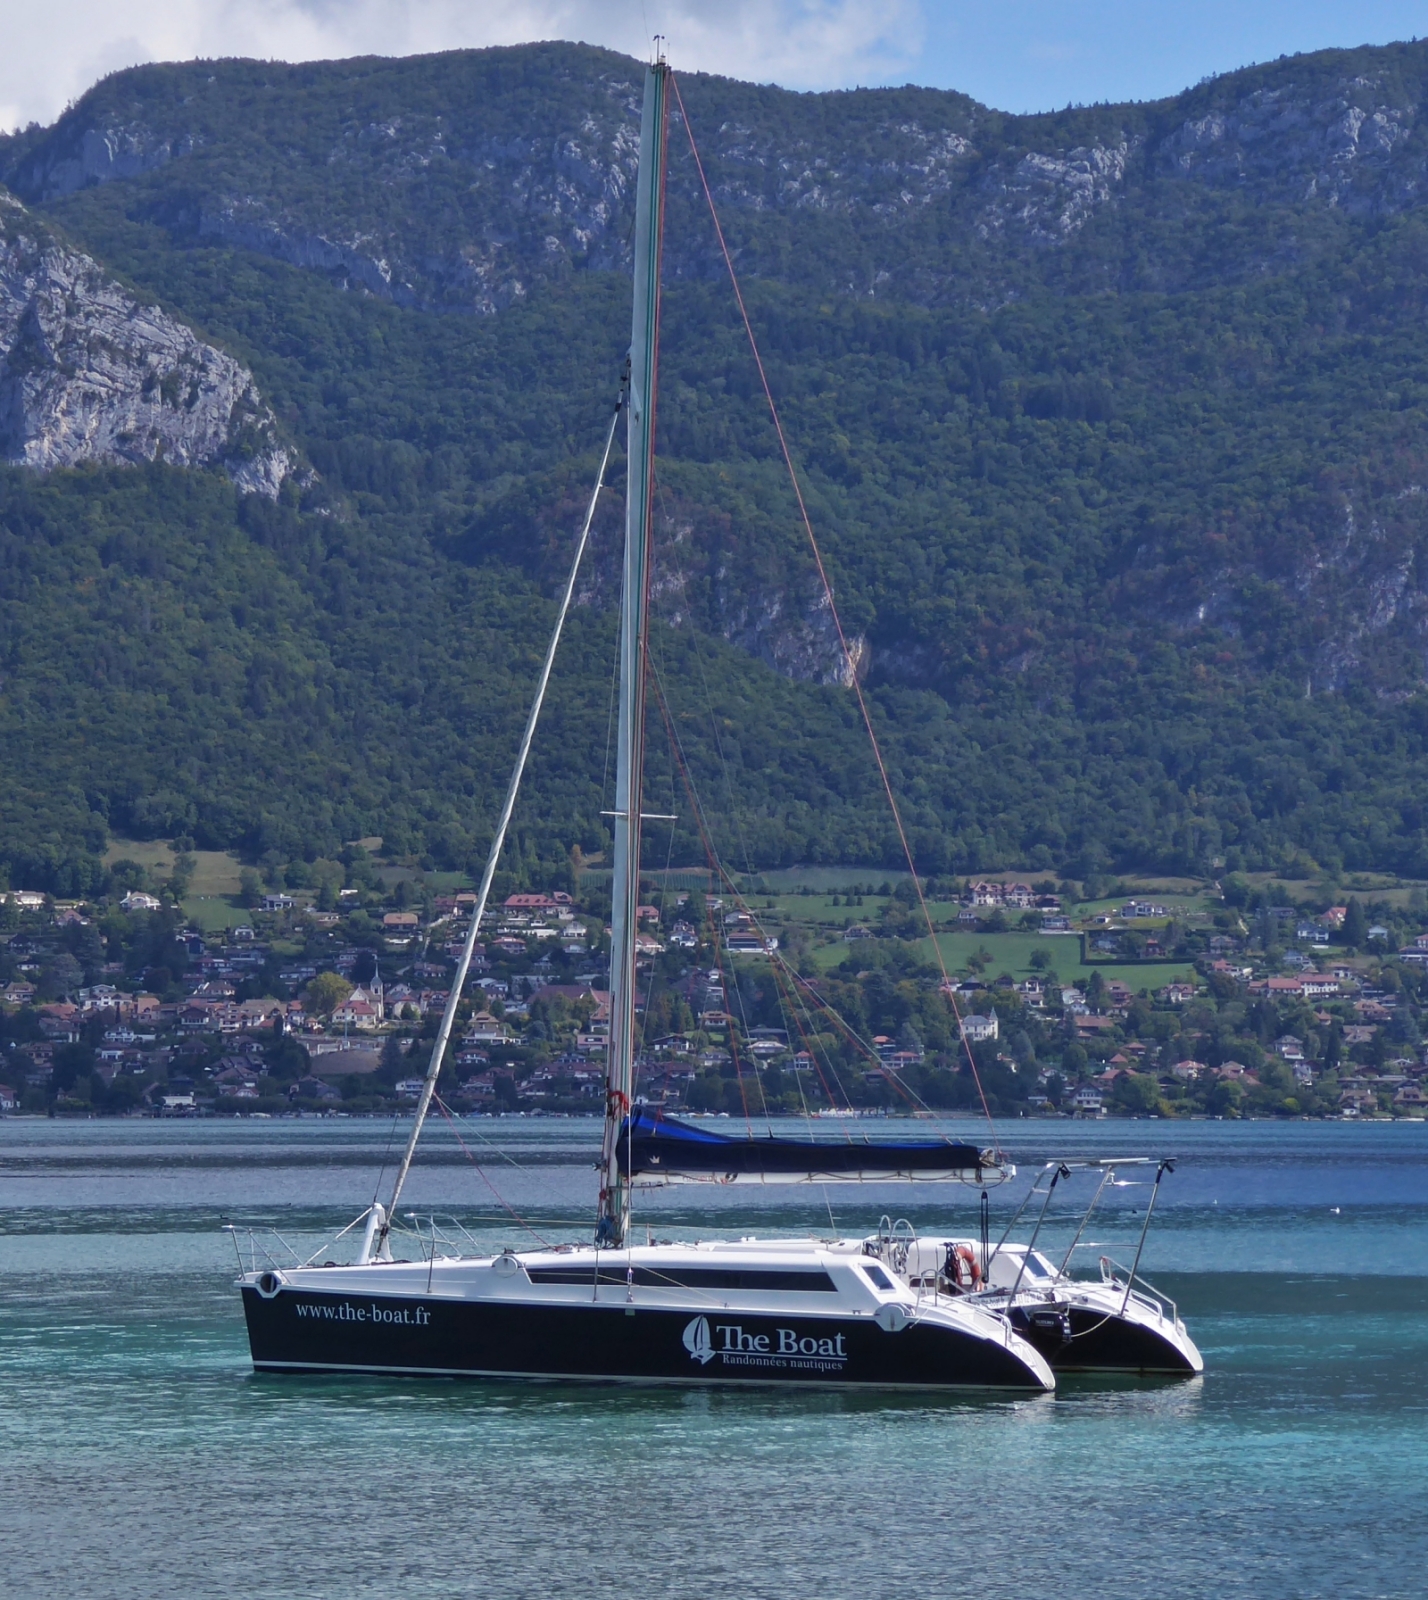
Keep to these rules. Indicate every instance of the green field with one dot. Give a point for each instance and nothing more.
(215, 872)
(831, 880)
(1011, 952)
(1176, 904)
(446, 882)
(154, 855)
(214, 913)
(212, 901)
(818, 910)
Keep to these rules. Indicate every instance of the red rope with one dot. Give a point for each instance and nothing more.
(778, 966)
(947, 987)
(501, 1199)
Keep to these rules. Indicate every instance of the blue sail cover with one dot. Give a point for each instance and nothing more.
(658, 1150)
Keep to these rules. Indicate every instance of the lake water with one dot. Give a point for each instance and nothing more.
(140, 1455)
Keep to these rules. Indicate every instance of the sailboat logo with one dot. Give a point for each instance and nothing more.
(697, 1341)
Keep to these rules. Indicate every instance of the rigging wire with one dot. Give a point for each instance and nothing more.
(642, 1017)
(724, 879)
(718, 875)
(733, 1040)
(386, 1152)
(610, 720)
(463, 966)
(779, 964)
(735, 815)
(716, 872)
(861, 1044)
(485, 1178)
(852, 665)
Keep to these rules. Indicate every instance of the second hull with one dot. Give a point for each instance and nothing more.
(1089, 1339)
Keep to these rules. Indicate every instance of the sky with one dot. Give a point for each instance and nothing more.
(1017, 55)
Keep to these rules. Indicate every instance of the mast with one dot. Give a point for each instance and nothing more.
(625, 883)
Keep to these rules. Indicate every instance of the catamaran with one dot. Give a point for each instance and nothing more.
(777, 1311)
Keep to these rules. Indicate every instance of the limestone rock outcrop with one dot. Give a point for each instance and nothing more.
(466, 182)
(88, 373)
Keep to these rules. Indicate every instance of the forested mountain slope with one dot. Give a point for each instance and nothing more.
(1113, 423)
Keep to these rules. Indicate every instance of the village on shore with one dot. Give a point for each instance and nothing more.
(1041, 999)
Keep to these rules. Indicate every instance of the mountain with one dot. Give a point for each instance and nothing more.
(1112, 423)
(469, 180)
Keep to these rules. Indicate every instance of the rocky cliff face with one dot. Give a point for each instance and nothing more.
(707, 574)
(446, 202)
(1346, 142)
(535, 206)
(770, 604)
(1348, 573)
(100, 153)
(461, 182)
(87, 373)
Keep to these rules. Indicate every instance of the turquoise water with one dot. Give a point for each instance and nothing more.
(139, 1455)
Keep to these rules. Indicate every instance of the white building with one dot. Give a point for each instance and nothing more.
(976, 1029)
(361, 1009)
(486, 1029)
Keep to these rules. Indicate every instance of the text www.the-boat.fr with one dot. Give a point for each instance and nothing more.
(408, 1316)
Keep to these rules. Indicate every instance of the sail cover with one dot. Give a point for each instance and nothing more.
(659, 1150)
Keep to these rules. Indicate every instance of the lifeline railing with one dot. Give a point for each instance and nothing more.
(427, 1230)
(1155, 1298)
(256, 1236)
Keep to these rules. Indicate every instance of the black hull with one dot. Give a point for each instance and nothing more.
(303, 1331)
(1097, 1342)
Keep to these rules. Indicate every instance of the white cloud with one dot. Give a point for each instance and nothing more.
(53, 53)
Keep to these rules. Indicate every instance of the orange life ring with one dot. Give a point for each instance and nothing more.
(966, 1270)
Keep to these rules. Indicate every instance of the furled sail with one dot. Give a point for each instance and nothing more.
(659, 1150)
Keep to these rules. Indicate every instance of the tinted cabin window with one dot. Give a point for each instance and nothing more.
(879, 1278)
(776, 1279)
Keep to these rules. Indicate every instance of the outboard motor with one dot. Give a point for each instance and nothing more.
(1045, 1326)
